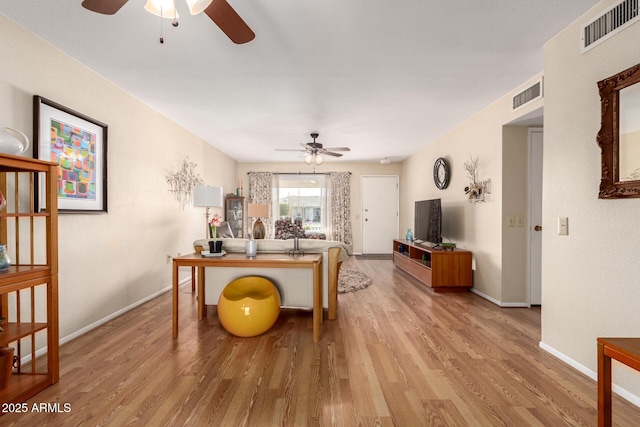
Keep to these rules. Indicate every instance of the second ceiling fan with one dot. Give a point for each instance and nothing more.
(219, 11)
(315, 151)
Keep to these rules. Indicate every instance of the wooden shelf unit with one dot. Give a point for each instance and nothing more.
(444, 271)
(29, 287)
(234, 214)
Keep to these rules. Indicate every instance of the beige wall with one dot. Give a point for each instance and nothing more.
(590, 278)
(109, 262)
(357, 171)
(479, 227)
(515, 165)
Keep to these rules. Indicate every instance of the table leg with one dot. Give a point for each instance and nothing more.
(202, 309)
(332, 281)
(317, 300)
(320, 292)
(175, 299)
(193, 278)
(604, 388)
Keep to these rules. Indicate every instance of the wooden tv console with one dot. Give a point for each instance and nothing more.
(444, 271)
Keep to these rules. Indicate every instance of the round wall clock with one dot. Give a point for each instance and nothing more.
(441, 173)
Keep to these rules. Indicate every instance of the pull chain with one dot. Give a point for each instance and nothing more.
(161, 37)
(174, 22)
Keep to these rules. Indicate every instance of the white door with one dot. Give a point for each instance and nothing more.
(535, 216)
(379, 213)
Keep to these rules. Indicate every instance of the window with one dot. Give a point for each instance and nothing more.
(302, 197)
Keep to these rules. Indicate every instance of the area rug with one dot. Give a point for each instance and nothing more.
(352, 280)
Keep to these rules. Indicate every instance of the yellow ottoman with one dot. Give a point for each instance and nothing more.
(249, 306)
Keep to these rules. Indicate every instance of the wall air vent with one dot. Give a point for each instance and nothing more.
(528, 95)
(611, 22)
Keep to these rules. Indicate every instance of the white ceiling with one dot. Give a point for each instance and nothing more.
(382, 77)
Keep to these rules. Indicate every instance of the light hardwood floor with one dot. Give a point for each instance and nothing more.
(398, 355)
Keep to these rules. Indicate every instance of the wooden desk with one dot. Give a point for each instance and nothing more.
(624, 350)
(313, 261)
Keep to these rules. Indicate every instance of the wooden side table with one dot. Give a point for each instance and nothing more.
(259, 262)
(625, 351)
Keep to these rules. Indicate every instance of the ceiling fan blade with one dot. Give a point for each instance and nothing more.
(338, 148)
(106, 7)
(329, 153)
(229, 21)
(291, 149)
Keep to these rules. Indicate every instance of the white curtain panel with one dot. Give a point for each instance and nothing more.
(260, 191)
(341, 208)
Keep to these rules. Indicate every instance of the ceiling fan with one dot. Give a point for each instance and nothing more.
(314, 151)
(219, 11)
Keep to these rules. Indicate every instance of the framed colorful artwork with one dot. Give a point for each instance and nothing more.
(78, 144)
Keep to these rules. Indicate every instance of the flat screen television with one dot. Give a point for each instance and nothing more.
(428, 221)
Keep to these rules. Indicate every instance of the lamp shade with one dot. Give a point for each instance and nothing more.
(198, 6)
(163, 8)
(259, 210)
(207, 196)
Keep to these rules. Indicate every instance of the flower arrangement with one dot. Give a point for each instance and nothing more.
(214, 224)
(477, 190)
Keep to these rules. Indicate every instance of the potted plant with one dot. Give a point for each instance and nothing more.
(215, 245)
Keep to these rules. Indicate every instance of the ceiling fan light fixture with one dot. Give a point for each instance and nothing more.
(319, 159)
(162, 8)
(198, 6)
(308, 158)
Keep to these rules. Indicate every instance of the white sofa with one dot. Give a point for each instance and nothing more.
(287, 280)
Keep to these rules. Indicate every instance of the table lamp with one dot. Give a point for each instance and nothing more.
(205, 196)
(258, 210)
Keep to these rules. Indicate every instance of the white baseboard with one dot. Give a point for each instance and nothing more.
(115, 314)
(499, 303)
(625, 394)
(82, 331)
(514, 305)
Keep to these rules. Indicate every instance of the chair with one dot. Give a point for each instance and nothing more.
(249, 306)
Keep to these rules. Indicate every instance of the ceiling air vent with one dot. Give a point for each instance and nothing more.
(528, 95)
(611, 22)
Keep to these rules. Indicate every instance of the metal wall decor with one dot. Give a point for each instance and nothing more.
(182, 182)
(477, 190)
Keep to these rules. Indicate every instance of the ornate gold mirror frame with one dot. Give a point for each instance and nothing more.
(612, 186)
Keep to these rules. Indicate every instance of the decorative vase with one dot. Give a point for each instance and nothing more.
(12, 141)
(258, 229)
(409, 236)
(4, 258)
(251, 248)
(215, 246)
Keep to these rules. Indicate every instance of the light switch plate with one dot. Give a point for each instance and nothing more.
(563, 226)
(519, 221)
